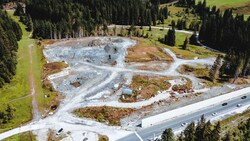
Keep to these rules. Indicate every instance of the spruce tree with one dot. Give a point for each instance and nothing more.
(114, 31)
(246, 131)
(184, 46)
(246, 65)
(181, 137)
(193, 39)
(165, 12)
(214, 71)
(238, 69)
(8, 48)
(189, 132)
(167, 135)
(170, 37)
(228, 137)
(122, 31)
(19, 10)
(199, 132)
(207, 132)
(215, 135)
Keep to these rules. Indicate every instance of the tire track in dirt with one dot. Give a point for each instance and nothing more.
(35, 111)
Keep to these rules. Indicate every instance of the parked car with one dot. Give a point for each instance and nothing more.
(239, 105)
(59, 131)
(213, 114)
(224, 104)
(183, 124)
(243, 97)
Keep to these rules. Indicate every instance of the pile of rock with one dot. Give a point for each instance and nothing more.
(181, 89)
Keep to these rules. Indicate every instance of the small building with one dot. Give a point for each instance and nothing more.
(127, 91)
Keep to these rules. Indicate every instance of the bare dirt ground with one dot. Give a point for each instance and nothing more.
(93, 80)
(240, 80)
(145, 56)
(145, 87)
(105, 114)
(52, 68)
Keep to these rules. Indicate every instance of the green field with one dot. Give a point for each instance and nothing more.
(229, 3)
(238, 6)
(191, 51)
(176, 13)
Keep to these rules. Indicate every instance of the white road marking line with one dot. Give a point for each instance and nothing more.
(138, 136)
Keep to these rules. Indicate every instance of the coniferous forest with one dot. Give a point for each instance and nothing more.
(206, 131)
(229, 34)
(74, 18)
(10, 33)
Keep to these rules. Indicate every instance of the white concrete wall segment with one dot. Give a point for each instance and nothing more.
(149, 121)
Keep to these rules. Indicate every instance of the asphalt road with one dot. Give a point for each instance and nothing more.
(156, 130)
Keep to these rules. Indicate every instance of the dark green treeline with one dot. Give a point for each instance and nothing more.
(228, 33)
(206, 131)
(78, 18)
(10, 33)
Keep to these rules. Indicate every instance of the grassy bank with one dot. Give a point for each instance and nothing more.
(191, 51)
(48, 99)
(20, 86)
(106, 114)
(145, 87)
(201, 72)
(27, 136)
(233, 121)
